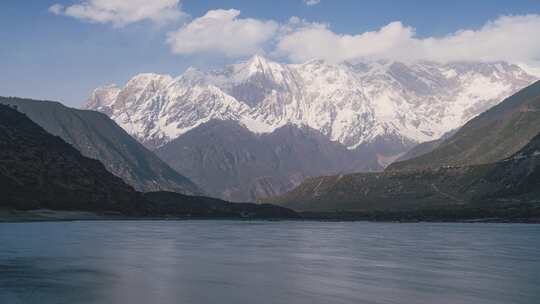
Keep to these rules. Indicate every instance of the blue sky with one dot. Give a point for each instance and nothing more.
(62, 53)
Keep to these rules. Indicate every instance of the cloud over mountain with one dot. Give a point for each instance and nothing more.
(222, 31)
(495, 40)
(512, 38)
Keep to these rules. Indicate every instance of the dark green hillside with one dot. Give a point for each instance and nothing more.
(39, 170)
(174, 204)
(492, 136)
(98, 137)
(514, 181)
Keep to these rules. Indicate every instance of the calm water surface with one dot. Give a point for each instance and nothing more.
(268, 262)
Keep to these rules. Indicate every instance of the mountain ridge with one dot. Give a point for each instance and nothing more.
(96, 136)
(354, 104)
(39, 170)
(377, 110)
(238, 165)
(42, 174)
(508, 175)
(492, 136)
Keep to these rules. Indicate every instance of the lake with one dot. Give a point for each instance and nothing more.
(268, 262)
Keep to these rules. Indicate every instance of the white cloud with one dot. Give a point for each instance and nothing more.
(121, 12)
(221, 31)
(509, 38)
(56, 9)
(317, 41)
(312, 2)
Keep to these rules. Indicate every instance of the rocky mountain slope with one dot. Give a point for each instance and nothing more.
(39, 170)
(425, 147)
(363, 104)
(98, 137)
(504, 171)
(376, 110)
(492, 136)
(511, 182)
(238, 165)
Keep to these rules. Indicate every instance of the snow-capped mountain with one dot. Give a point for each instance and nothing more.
(355, 104)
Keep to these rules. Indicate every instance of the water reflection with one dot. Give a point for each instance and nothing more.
(268, 262)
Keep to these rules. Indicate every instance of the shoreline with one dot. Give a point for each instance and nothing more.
(45, 215)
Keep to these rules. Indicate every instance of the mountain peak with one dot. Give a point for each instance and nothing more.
(258, 59)
(143, 79)
(258, 64)
(354, 104)
(101, 97)
(316, 62)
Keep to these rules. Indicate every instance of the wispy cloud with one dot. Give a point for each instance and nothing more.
(312, 2)
(121, 12)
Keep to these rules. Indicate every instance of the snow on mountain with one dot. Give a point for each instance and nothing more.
(356, 104)
(103, 98)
